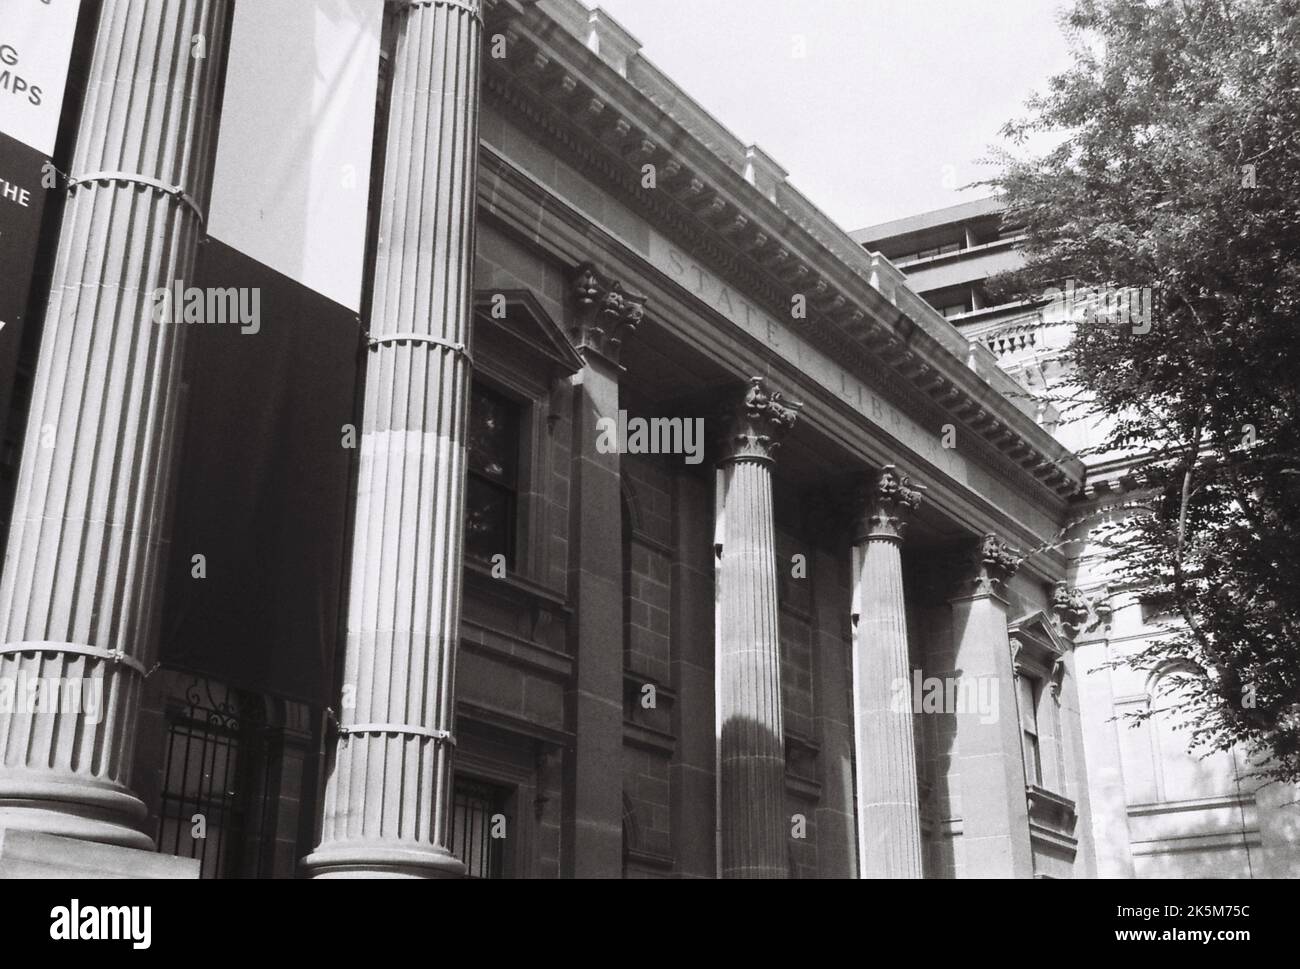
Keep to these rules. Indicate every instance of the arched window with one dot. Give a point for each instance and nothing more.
(1183, 774)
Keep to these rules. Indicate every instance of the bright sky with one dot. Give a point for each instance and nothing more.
(891, 108)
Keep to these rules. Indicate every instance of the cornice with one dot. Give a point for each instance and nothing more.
(516, 203)
(591, 113)
(533, 216)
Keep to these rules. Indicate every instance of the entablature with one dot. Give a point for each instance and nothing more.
(729, 204)
(968, 486)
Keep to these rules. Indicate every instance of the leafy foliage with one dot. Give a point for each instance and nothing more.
(1179, 171)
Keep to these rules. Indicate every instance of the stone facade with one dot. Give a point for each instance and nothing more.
(723, 633)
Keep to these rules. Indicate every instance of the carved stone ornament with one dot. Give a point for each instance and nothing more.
(1103, 610)
(606, 314)
(994, 563)
(1057, 677)
(757, 423)
(887, 504)
(1070, 607)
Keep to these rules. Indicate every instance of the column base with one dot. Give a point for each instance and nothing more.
(78, 808)
(381, 859)
(35, 854)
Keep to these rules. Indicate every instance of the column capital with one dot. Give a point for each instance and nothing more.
(885, 505)
(989, 567)
(1070, 608)
(606, 312)
(757, 423)
(473, 7)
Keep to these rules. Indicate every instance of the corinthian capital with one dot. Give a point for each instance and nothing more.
(993, 563)
(605, 313)
(757, 423)
(1070, 608)
(887, 503)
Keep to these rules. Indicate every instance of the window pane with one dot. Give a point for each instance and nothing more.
(1027, 697)
(493, 436)
(1028, 691)
(489, 519)
(1033, 759)
(493, 444)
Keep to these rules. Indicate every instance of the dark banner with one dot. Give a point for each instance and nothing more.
(22, 200)
(253, 586)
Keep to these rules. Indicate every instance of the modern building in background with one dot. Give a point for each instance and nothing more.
(947, 256)
(1158, 809)
(444, 449)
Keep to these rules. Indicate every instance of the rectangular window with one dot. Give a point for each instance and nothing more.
(492, 487)
(480, 828)
(1028, 690)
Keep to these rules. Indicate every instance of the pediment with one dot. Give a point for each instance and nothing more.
(518, 314)
(1036, 628)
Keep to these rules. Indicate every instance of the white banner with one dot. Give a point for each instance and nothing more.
(35, 47)
(293, 155)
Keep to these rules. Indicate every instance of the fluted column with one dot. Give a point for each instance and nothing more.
(751, 742)
(889, 819)
(990, 770)
(80, 592)
(389, 788)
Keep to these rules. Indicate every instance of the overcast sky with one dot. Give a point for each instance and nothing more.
(891, 108)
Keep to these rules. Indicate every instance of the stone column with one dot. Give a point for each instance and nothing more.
(593, 809)
(80, 592)
(751, 741)
(990, 768)
(388, 794)
(889, 819)
(1108, 801)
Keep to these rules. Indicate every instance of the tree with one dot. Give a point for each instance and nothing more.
(1178, 176)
